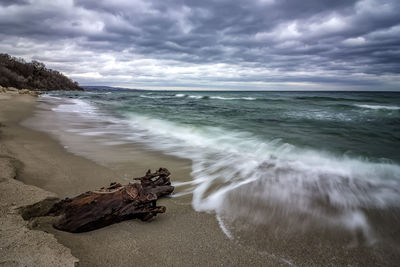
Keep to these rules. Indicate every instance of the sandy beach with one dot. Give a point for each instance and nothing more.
(179, 237)
(21, 246)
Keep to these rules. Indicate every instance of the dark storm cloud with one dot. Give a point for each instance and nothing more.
(13, 2)
(201, 42)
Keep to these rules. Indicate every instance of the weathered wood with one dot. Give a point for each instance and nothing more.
(96, 209)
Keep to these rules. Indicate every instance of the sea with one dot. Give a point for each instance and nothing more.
(297, 160)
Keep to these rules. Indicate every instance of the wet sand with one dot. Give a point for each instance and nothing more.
(19, 244)
(181, 236)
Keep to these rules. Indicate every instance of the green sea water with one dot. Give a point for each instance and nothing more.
(365, 124)
(326, 157)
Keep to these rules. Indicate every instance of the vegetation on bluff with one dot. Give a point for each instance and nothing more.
(16, 72)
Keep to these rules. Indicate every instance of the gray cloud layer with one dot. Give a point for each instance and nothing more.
(261, 44)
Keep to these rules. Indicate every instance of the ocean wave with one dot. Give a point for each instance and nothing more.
(215, 97)
(330, 98)
(237, 174)
(76, 106)
(321, 115)
(198, 97)
(153, 96)
(46, 96)
(232, 98)
(378, 107)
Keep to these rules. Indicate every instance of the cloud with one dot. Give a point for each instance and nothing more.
(13, 2)
(211, 44)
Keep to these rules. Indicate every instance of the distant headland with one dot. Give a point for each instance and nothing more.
(19, 74)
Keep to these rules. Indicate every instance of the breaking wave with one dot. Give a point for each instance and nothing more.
(378, 107)
(237, 174)
(215, 97)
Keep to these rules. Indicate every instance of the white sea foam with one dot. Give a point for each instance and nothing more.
(180, 95)
(93, 133)
(302, 182)
(215, 97)
(44, 96)
(76, 106)
(377, 107)
(223, 227)
(232, 98)
(196, 96)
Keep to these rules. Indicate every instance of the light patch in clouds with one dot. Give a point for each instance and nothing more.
(332, 25)
(246, 45)
(355, 41)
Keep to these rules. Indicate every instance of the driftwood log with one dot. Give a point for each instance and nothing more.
(96, 209)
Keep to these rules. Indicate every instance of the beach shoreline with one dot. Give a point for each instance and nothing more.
(19, 243)
(179, 237)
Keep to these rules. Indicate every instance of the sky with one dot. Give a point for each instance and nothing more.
(210, 45)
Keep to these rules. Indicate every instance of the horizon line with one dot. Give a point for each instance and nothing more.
(233, 90)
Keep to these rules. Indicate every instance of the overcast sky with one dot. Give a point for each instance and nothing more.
(202, 44)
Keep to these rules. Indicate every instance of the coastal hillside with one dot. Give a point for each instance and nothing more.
(16, 72)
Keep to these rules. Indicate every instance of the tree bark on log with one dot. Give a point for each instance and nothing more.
(116, 203)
